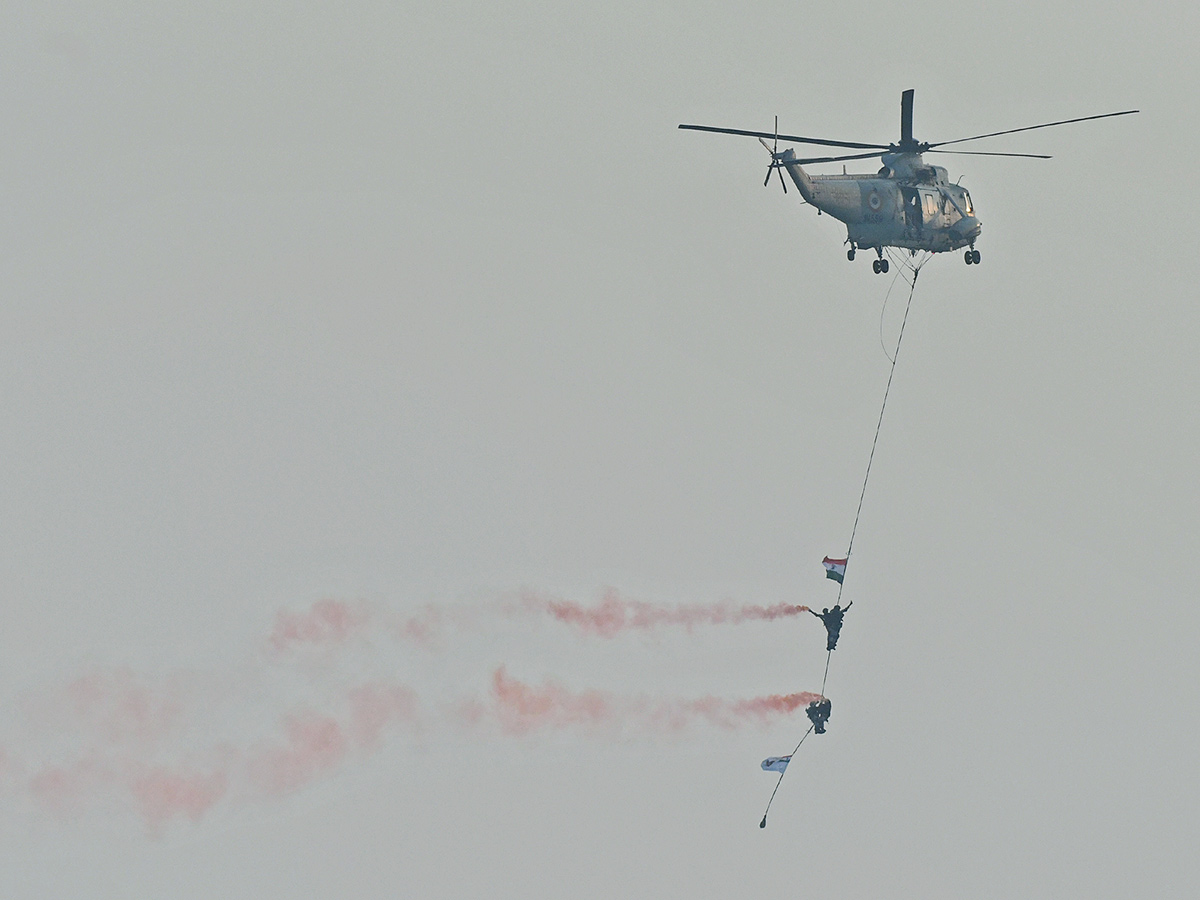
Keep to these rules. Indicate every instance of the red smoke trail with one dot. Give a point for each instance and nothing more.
(615, 614)
(158, 792)
(327, 622)
(62, 787)
(421, 628)
(162, 794)
(330, 623)
(309, 745)
(116, 707)
(171, 778)
(374, 707)
(174, 748)
(314, 744)
(521, 708)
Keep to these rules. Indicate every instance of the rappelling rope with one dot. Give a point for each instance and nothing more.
(763, 823)
(882, 310)
(916, 270)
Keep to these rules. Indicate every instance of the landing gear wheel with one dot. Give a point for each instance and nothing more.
(969, 257)
(883, 266)
(850, 254)
(876, 266)
(975, 257)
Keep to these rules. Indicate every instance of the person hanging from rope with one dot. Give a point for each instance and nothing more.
(833, 622)
(818, 713)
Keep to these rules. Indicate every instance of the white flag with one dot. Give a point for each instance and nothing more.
(776, 763)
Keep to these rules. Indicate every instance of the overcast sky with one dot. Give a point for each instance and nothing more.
(411, 308)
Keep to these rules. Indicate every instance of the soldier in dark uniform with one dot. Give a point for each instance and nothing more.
(833, 622)
(818, 712)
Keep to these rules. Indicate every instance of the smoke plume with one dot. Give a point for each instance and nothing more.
(173, 747)
(615, 614)
(521, 708)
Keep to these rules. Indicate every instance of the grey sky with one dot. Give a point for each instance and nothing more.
(426, 303)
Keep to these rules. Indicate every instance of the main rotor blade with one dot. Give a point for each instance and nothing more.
(985, 153)
(825, 159)
(1033, 127)
(791, 138)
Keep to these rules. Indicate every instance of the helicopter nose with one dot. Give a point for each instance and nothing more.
(968, 228)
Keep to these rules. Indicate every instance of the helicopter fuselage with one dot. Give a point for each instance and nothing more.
(907, 204)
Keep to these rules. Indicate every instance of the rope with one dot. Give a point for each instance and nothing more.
(901, 265)
(916, 270)
(763, 823)
(882, 310)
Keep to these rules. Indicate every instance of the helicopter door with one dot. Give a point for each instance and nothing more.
(912, 210)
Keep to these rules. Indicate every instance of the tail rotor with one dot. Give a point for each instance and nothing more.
(773, 149)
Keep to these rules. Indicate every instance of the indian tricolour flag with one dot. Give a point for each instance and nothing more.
(834, 568)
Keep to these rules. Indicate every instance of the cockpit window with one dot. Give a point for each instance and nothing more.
(967, 204)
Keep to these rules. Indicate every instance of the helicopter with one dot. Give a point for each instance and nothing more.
(906, 204)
